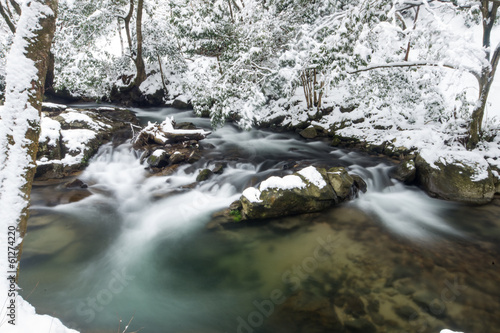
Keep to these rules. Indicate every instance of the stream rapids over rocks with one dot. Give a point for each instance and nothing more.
(131, 247)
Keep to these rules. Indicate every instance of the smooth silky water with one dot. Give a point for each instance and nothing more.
(393, 260)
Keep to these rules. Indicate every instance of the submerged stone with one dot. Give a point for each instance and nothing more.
(360, 325)
(406, 312)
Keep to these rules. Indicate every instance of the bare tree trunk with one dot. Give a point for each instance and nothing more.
(7, 19)
(314, 87)
(139, 61)
(231, 10)
(49, 77)
(17, 7)
(126, 20)
(20, 118)
(304, 86)
(408, 48)
(161, 73)
(321, 87)
(121, 37)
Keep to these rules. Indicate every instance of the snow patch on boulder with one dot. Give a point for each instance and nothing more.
(473, 160)
(252, 194)
(285, 183)
(312, 175)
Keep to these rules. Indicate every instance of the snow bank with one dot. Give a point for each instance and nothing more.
(28, 321)
(76, 139)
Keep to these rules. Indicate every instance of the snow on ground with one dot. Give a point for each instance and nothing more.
(28, 321)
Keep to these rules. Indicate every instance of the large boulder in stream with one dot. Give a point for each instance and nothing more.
(70, 137)
(455, 175)
(308, 190)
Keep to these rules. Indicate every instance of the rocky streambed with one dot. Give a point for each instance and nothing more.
(390, 259)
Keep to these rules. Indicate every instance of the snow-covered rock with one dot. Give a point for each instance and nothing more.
(308, 190)
(70, 137)
(159, 158)
(455, 175)
(181, 102)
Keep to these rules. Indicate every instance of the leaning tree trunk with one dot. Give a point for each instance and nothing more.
(478, 112)
(489, 11)
(20, 116)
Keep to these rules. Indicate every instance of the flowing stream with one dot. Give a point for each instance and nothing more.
(138, 250)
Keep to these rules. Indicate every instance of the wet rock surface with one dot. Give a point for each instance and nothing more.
(405, 171)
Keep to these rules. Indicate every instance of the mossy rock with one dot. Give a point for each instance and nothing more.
(309, 133)
(178, 157)
(158, 159)
(458, 176)
(277, 202)
(204, 175)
